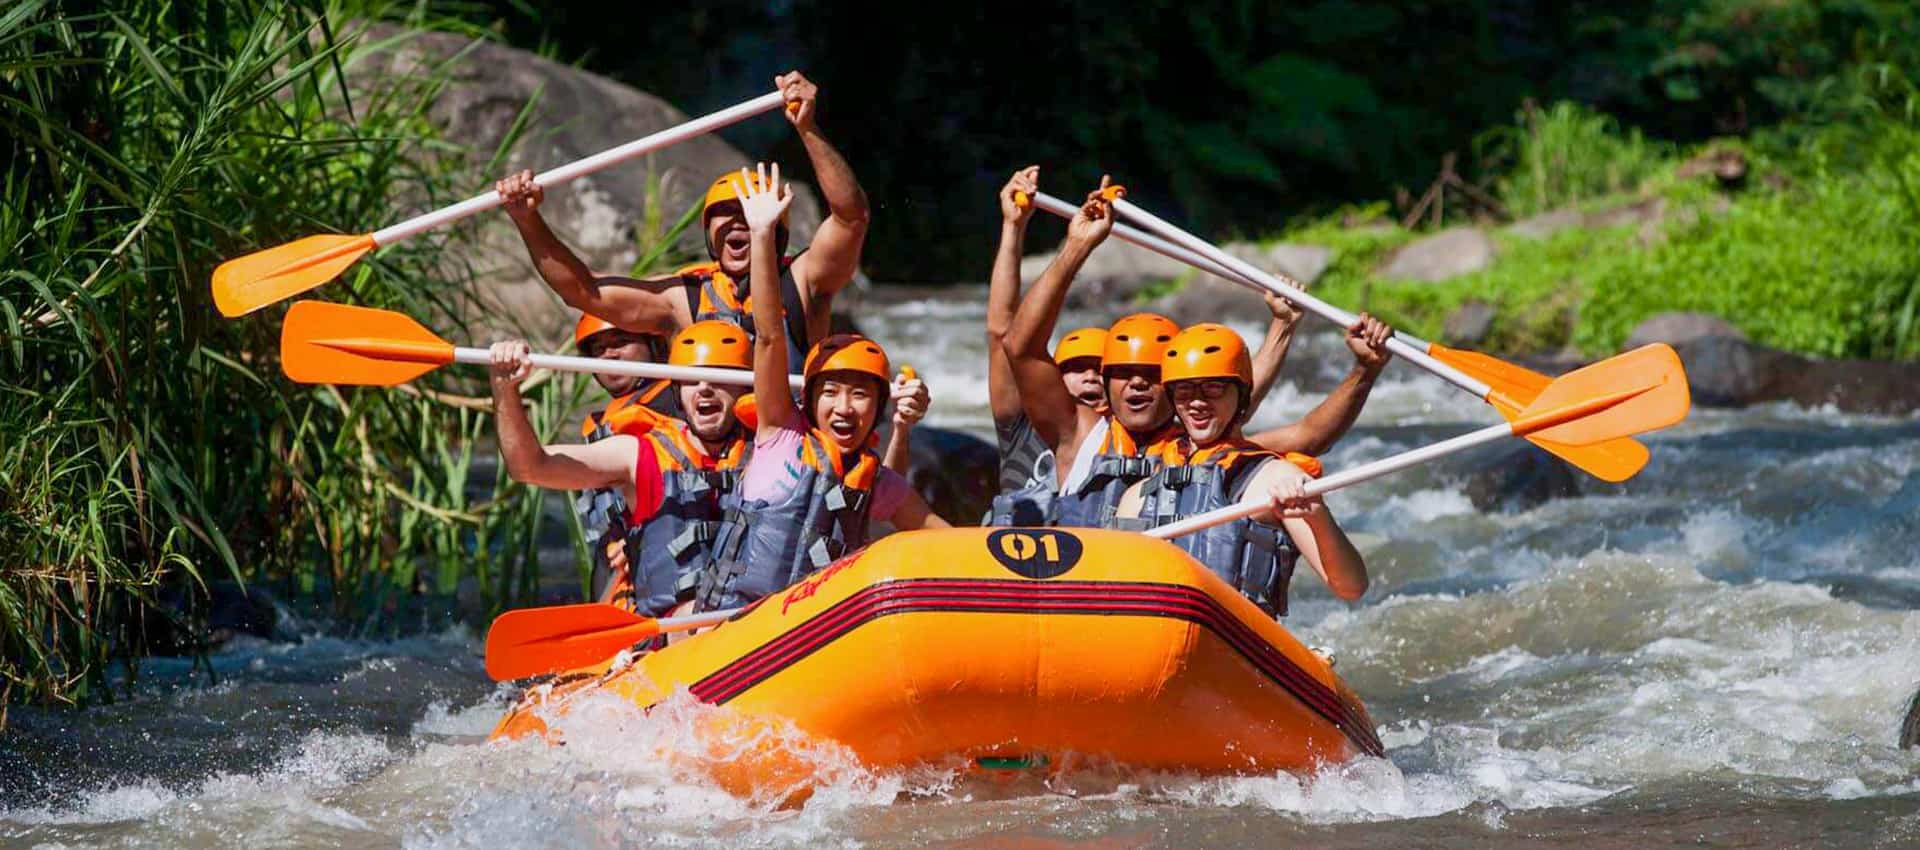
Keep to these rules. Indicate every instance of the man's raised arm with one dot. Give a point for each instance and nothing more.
(642, 306)
(830, 260)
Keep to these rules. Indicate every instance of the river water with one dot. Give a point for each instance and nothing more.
(1717, 653)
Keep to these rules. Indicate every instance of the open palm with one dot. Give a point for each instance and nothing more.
(763, 199)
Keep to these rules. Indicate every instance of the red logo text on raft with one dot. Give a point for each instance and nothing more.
(810, 584)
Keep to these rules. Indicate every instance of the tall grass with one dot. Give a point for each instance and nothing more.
(1565, 154)
(147, 442)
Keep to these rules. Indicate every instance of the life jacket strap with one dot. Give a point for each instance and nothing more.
(694, 534)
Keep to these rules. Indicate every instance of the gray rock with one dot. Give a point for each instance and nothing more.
(1449, 253)
(1676, 328)
(1115, 273)
(1468, 324)
(1547, 223)
(1304, 263)
(956, 472)
(1514, 476)
(577, 113)
(1729, 372)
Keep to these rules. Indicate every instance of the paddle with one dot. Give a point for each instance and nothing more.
(327, 343)
(246, 284)
(531, 641)
(1642, 390)
(1506, 386)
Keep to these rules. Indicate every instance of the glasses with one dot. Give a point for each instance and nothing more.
(1209, 390)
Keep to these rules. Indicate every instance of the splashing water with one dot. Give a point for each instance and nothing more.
(1718, 651)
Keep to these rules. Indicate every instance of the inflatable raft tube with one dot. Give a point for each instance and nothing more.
(999, 646)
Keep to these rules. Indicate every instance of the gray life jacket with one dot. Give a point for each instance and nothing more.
(762, 546)
(604, 514)
(677, 540)
(1028, 477)
(715, 299)
(1257, 559)
(1118, 465)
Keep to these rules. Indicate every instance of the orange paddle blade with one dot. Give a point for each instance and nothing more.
(532, 641)
(261, 278)
(324, 343)
(1642, 390)
(1512, 380)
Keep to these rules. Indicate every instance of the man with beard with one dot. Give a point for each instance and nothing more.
(719, 288)
(636, 407)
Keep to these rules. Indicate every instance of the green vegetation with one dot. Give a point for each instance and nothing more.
(148, 445)
(1812, 251)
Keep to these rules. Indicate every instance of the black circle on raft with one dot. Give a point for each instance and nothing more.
(1035, 552)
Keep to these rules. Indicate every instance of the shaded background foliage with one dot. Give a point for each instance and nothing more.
(1239, 115)
(149, 448)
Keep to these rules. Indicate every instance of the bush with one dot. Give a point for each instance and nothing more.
(144, 440)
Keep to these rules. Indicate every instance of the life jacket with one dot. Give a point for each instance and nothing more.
(1118, 464)
(764, 546)
(604, 515)
(714, 295)
(676, 541)
(637, 412)
(1256, 558)
(1029, 481)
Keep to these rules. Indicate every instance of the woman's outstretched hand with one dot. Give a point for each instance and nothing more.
(763, 198)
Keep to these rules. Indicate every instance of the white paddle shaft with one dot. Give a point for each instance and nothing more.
(582, 167)
(563, 363)
(1401, 346)
(1150, 242)
(1363, 472)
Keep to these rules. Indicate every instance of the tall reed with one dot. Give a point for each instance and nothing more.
(147, 443)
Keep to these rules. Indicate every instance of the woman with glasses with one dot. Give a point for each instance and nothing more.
(1208, 376)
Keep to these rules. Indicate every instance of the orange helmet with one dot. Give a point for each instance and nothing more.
(588, 326)
(1085, 342)
(1207, 350)
(847, 353)
(1137, 340)
(711, 343)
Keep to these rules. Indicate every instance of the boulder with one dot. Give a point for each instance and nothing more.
(193, 618)
(1468, 324)
(1726, 371)
(1208, 298)
(1304, 263)
(1514, 476)
(1547, 223)
(575, 113)
(1449, 253)
(956, 472)
(1677, 328)
(1119, 271)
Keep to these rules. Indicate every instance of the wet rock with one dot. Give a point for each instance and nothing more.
(577, 113)
(1728, 372)
(956, 472)
(1910, 727)
(1304, 263)
(194, 618)
(1468, 324)
(1514, 476)
(1677, 328)
(1449, 253)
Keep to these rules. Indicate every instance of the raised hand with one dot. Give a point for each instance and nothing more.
(1095, 219)
(520, 195)
(1025, 181)
(509, 363)
(1367, 339)
(910, 401)
(1284, 312)
(801, 95)
(762, 200)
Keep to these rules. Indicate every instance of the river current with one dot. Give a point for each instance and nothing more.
(1717, 653)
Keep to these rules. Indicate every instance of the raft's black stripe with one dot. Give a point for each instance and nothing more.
(977, 595)
(1000, 596)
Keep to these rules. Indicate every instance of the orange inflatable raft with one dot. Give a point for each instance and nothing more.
(1034, 645)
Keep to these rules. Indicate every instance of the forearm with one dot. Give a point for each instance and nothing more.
(899, 456)
(1033, 322)
(520, 448)
(1327, 422)
(563, 270)
(770, 387)
(1268, 360)
(1003, 295)
(1340, 562)
(846, 201)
